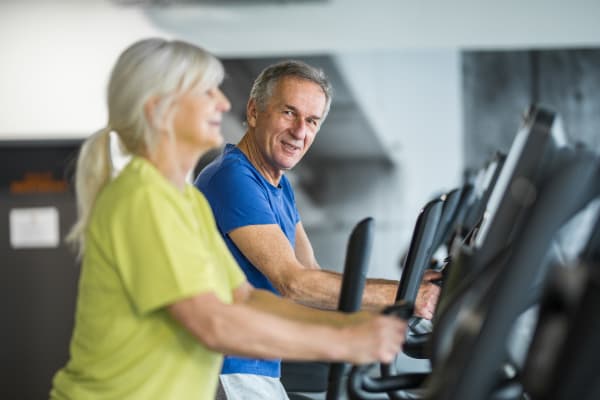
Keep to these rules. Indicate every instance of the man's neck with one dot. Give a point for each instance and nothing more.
(254, 155)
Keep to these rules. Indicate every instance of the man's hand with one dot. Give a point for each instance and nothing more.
(428, 295)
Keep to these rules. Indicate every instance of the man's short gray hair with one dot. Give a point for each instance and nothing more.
(262, 89)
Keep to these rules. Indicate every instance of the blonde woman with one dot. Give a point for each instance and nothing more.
(160, 296)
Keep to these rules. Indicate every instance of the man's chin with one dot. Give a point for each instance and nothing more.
(289, 166)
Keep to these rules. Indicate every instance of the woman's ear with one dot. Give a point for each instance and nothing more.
(151, 111)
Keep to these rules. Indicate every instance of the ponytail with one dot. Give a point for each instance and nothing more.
(92, 173)
(150, 67)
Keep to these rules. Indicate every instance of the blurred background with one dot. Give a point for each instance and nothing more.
(424, 93)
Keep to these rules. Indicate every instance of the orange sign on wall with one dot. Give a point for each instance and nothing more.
(38, 182)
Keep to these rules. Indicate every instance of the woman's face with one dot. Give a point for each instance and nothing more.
(198, 116)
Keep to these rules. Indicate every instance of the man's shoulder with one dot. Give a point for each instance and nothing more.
(230, 168)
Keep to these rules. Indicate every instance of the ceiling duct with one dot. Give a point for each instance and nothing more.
(222, 3)
(346, 134)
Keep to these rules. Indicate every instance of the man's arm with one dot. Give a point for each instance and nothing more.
(304, 251)
(298, 276)
(267, 248)
(427, 296)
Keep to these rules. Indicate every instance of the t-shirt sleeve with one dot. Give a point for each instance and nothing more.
(289, 193)
(159, 254)
(238, 198)
(235, 274)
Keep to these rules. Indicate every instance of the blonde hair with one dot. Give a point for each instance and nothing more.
(148, 68)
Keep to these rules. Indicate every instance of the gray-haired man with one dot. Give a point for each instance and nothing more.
(254, 206)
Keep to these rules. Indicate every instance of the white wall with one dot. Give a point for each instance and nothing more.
(412, 98)
(56, 54)
(55, 62)
(400, 58)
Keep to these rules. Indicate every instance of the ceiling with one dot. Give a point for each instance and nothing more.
(249, 35)
(261, 27)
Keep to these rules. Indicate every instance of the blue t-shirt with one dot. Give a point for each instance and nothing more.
(240, 196)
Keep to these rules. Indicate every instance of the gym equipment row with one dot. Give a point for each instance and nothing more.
(495, 232)
(498, 271)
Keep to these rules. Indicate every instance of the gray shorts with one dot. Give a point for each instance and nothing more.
(250, 387)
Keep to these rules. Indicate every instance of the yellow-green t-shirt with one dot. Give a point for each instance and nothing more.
(147, 246)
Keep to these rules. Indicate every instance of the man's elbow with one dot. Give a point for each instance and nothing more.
(291, 287)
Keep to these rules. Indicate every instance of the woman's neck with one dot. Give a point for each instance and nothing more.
(174, 162)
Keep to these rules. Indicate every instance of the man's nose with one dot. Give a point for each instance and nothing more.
(300, 128)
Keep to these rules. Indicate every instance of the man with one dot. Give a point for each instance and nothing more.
(255, 209)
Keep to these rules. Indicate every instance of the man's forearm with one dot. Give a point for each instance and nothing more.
(321, 289)
(379, 293)
(268, 302)
(314, 288)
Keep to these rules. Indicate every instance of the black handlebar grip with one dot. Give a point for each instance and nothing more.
(402, 310)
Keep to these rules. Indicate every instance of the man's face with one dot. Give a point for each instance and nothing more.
(286, 128)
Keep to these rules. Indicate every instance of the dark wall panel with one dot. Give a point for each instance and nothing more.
(570, 81)
(37, 285)
(499, 85)
(496, 89)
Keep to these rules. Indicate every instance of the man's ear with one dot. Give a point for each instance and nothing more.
(251, 113)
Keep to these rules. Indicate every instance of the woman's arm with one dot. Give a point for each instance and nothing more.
(268, 302)
(249, 327)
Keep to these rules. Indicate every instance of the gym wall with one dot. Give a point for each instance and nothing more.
(499, 85)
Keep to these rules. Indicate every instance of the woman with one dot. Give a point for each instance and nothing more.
(159, 295)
